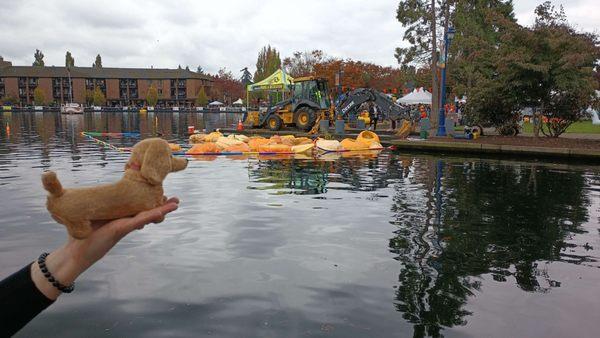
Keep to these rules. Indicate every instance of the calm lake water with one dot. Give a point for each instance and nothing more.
(392, 245)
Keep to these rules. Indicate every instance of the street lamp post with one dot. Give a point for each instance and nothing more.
(442, 112)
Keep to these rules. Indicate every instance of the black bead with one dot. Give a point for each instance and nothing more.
(44, 269)
(47, 274)
(51, 279)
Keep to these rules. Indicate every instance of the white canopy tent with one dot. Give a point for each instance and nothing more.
(216, 103)
(239, 102)
(418, 96)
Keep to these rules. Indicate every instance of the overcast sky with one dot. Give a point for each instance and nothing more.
(214, 34)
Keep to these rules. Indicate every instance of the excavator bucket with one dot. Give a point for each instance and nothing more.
(404, 130)
(315, 128)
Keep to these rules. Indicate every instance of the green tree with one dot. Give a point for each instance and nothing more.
(69, 60)
(201, 99)
(99, 98)
(479, 26)
(89, 97)
(39, 58)
(199, 70)
(563, 62)
(98, 62)
(39, 98)
(152, 96)
(267, 63)
(548, 66)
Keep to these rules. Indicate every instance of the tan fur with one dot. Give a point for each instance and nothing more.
(137, 190)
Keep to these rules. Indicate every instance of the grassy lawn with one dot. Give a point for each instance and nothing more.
(581, 127)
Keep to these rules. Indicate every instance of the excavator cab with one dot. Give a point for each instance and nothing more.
(312, 90)
(308, 103)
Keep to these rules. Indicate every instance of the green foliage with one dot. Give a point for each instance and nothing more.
(201, 99)
(99, 98)
(39, 58)
(89, 97)
(39, 98)
(152, 96)
(98, 62)
(267, 63)
(69, 60)
(548, 66)
(479, 26)
(564, 60)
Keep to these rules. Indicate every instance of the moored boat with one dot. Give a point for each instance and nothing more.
(71, 108)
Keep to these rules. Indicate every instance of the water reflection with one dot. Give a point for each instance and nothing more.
(387, 244)
(495, 219)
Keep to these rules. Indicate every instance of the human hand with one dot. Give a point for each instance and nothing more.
(76, 256)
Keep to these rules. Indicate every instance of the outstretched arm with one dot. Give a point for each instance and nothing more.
(27, 292)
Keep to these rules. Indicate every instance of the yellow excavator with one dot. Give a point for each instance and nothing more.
(309, 103)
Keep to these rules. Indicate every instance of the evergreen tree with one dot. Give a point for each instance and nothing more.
(98, 62)
(246, 77)
(39, 58)
(421, 18)
(69, 60)
(267, 63)
(479, 26)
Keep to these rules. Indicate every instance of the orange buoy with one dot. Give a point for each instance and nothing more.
(240, 125)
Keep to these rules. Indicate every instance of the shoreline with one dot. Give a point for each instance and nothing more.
(478, 146)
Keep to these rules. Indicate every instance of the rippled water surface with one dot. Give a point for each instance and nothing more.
(389, 245)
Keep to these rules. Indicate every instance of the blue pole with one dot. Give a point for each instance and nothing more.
(442, 113)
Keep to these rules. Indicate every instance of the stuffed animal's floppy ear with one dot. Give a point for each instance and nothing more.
(156, 162)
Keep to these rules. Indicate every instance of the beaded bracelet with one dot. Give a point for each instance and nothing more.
(42, 264)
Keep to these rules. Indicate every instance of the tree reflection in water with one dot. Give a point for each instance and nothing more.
(456, 220)
(503, 220)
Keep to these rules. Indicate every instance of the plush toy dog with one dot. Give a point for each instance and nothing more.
(140, 189)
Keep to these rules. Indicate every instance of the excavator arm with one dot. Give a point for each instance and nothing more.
(350, 105)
